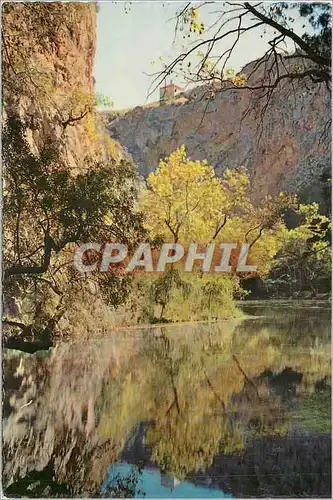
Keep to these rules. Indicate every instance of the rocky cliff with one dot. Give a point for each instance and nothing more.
(48, 54)
(47, 61)
(284, 145)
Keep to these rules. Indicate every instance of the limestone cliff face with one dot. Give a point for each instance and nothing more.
(48, 62)
(286, 147)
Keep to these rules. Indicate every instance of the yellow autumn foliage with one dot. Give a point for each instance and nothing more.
(184, 201)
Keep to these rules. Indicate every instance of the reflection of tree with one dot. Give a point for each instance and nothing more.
(212, 418)
(172, 370)
(178, 392)
(182, 445)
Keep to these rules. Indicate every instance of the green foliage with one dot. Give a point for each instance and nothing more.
(178, 197)
(68, 209)
(180, 296)
(210, 297)
(163, 288)
(185, 201)
(215, 294)
(47, 211)
(303, 263)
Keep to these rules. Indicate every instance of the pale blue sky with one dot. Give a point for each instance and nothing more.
(128, 42)
(126, 45)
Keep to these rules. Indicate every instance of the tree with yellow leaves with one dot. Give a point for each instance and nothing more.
(185, 202)
(180, 197)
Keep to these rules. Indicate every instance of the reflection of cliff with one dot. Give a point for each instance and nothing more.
(73, 413)
(49, 414)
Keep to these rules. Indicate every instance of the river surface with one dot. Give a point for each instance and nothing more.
(239, 408)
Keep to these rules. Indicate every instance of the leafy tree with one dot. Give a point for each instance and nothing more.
(48, 210)
(178, 198)
(303, 263)
(86, 206)
(185, 201)
(162, 288)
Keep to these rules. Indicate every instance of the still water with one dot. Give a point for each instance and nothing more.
(237, 408)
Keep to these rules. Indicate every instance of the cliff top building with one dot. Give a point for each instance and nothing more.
(169, 91)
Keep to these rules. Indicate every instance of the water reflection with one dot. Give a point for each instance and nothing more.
(238, 408)
(151, 483)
